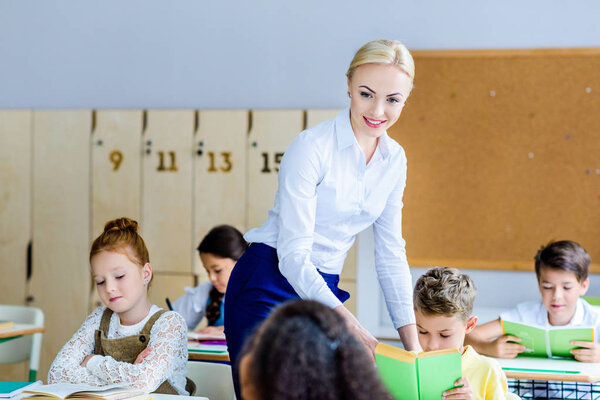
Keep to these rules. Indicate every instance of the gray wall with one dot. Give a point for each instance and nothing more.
(245, 54)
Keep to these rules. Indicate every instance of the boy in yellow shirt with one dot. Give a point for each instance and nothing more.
(443, 301)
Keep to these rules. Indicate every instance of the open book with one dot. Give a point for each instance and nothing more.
(69, 391)
(424, 376)
(547, 342)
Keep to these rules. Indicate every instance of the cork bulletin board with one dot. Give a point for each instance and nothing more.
(503, 153)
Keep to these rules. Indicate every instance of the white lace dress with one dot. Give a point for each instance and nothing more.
(167, 360)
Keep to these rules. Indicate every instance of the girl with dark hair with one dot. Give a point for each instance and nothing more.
(303, 351)
(219, 251)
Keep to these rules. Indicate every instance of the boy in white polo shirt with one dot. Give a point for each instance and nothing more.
(562, 274)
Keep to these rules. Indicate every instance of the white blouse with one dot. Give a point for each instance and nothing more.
(167, 360)
(327, 194)
(192, 305)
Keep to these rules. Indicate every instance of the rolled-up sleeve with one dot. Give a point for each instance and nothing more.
(391, 264)
(299, 175)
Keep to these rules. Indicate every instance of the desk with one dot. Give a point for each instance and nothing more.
(194, 355)
(153, 396)
(550, 369)
(18, 330)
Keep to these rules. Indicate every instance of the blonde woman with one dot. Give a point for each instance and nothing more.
(335, 180)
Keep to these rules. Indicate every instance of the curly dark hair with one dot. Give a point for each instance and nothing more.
(304, 351)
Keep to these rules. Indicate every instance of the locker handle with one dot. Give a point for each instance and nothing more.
(29, 260)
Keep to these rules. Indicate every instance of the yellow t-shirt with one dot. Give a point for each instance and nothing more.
(485, 376)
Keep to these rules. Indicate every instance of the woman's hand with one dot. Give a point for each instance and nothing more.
(86, 359)
(357, 330)
(589, 352)
(460, 393)
(410, 339)
(211, 330)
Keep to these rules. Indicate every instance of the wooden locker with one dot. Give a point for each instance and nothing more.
(116, 163)
(220, 174)
(15, 217)
(15, 203)
(167, 189)
(60, 280)
(116, 171)
(168, 285)
(270, 134)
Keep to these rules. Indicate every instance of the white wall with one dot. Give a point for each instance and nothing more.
(496, 290)
(245, 54)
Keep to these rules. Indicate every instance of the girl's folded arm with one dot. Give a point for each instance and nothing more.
(168, 343)
(66, 367)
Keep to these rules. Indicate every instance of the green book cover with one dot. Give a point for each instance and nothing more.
(423, 376)
(551, 342)
(560, 339)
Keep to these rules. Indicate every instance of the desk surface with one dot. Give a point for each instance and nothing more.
(550, 369)
(21, 329)
(153, 396)
(204, 356)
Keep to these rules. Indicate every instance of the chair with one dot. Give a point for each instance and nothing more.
(26, 347)
(213, 380)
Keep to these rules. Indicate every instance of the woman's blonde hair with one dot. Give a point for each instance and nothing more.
(121, 235)
(384, 51)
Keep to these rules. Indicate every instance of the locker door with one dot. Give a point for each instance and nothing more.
(220, 174)
(15, 203)
(167, 190)
(116, 171)
(116, 163)
(60, 280)
(270, 134)
(15, 214)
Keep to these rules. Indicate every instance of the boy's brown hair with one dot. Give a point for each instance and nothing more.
(564, 255)
(445, 291)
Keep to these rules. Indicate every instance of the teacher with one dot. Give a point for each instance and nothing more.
(335, 180)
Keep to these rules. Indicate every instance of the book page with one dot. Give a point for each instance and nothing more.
(62, 390)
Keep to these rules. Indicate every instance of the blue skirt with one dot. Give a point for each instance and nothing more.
(255, 287)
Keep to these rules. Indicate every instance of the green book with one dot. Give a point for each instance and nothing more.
(547, 342)
(423, 376)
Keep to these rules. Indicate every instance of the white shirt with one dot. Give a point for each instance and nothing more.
(167, 360)
(326, 195)
(192, 305)
(534, 313)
